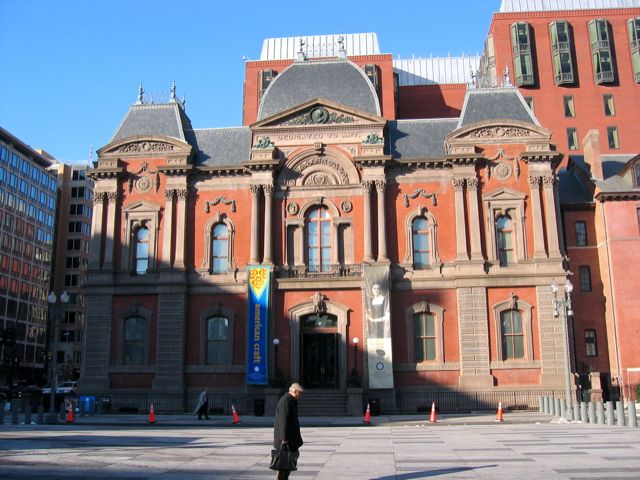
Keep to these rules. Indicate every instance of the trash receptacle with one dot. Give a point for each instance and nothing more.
(374, 404)
(258, 407)
(105, 404)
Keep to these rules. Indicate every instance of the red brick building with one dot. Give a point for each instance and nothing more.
(409, 227)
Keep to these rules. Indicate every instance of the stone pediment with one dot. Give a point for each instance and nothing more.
(146, 146)
(464, 140)
(504, 194)
(142, 206)
(319, 113)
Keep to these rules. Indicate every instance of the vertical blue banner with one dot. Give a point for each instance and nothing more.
(257, 325)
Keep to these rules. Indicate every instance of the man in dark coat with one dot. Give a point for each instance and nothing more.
(286, 429)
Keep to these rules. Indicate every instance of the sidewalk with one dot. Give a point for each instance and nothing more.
(188, 420)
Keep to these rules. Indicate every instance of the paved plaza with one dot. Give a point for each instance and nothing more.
(400, 448)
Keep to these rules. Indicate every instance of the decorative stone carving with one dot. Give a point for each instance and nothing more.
(380, 185)
(492, 132)
(472, 184)
(143, 184)
(502, 171)
(145, 147)
(534, 181)
(293, 208)
(169, 194)
(267, 189)
(182, 193)
(319, 179)
(212, 203)
(264, 142)
(313, 161)
(422, 307)
(373, 139)
(548, 181)
(346, 206)
(458, 184)
(420, 192)
(318, 115)
(255, 190)
(513, 301)
(367, 185)
(98, 197)
(113, 196)
(319, 303)
(318, 147)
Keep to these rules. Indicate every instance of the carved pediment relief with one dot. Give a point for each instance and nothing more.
(146, 145)
(142, 206)
(318, 112)
(505, 194)
(498, 131)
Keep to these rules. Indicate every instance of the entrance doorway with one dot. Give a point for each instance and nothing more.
(319, 360)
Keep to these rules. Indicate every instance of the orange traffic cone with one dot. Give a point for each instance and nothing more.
(367, 415)
(432, 418)
(152, 415)
(499, 414)
(70, 413)
(236, 417)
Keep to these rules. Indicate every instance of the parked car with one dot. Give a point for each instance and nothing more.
(65, 388)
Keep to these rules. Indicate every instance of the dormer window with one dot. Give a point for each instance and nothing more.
(636, 169)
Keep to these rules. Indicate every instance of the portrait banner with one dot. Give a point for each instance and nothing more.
(258, 325)
(378, 326)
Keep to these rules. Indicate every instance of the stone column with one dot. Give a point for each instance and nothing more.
(255, 205)
(366, 189)
(474, 217)
(168, 229)
(112, 198)
(95, 249)
(536, 212)
(551, 218)
(268, 205)
(461, 228)
(382, 221)
(181, 223)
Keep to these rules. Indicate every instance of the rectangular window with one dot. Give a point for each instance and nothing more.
(585, 278)
(562, 51)
(373, 75)
(424, 335)
(609, 107)
(522, 59)
(569, 109)
(218, 341)
(603, 69)
(612, 137)
(581, 234)
(512, 335)
(633, 28)
(572, 138)
(590, 344)
(266, 77)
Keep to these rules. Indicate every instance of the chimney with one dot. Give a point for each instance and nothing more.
(591, 148)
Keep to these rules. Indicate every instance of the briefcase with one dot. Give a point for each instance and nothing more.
(284, 459)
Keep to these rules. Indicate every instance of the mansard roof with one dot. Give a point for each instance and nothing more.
(340, 81)
(481, 104)
(220, 146)
(166, 119)
(419, 138)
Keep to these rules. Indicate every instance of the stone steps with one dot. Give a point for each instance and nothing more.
(322, 403)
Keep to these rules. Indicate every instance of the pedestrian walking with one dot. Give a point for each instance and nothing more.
(202, 408)
(286, 429)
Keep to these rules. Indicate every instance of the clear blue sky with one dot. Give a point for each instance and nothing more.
(69, 69)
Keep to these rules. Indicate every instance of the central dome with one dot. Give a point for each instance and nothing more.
(340, 81)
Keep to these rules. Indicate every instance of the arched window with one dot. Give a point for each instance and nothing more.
(319, 240)
(218, 341)
(512, 335)
(134, 345)
(142, 250)
(504, 237)
(421, 244)
(219, 248)
(424, 337)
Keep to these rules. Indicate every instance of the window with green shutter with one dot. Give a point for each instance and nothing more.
(562, 51)
(522, 58)
(633, 27)
(603, 69)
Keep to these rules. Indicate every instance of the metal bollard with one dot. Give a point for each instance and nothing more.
(547, 408)
(557, 406)
(620, 413)
(583, 412)
(40, 420)
(552, 406)
(600, 412)
(592, 412)
(27, 414)
(541, 404)
(610, 417)
(633, 420)
(15, 412)
(576, 411)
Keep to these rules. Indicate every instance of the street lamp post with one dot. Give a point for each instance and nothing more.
(55, 312)
(355, 341)
(276, 342)
(563, 305)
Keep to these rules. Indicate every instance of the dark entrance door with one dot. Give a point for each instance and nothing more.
(319, 362)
